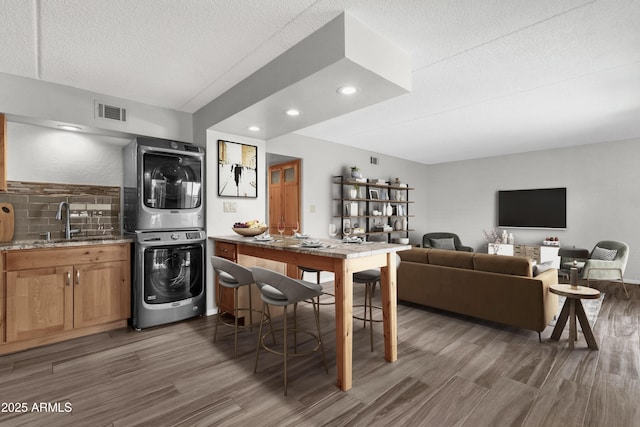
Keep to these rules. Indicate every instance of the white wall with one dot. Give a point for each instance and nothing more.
(219, 223)
(321, 160)
(47, 102)
(39, 154)
(603, 197)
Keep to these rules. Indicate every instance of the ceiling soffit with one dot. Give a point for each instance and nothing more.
(306, 77)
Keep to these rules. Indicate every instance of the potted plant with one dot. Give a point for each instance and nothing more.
(353, 192)
(355, 172)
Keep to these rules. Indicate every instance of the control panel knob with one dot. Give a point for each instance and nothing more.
(175, 236)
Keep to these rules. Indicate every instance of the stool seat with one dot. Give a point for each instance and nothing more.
(366, 276)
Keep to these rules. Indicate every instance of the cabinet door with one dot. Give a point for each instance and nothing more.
(39, 302)
(102, 293)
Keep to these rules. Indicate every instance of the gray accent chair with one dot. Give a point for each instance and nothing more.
(279, 290)
(598, 269)
(428, 243)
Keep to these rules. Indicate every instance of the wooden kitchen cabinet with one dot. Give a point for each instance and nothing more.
(55, 294)
(224, 295)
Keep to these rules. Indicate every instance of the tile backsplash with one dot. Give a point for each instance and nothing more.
(95, 210)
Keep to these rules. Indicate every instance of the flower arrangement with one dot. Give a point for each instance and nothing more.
(492, 237)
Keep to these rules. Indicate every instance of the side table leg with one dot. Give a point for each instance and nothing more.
(561, 322)
(573, 333)
(586, 328)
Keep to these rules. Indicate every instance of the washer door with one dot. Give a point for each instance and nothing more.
(172, 273)
(172, 181)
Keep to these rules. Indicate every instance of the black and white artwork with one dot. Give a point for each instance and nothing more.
(237, 169)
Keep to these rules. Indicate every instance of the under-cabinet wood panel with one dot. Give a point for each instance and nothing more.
(35, 258)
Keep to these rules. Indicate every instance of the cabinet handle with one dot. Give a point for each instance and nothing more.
(77, 277)
(68, 278)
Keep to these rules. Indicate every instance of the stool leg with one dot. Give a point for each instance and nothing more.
(366, 294)
(215, 328)
(255, 366)
(273, 335)
(285, 349)
(295, 325)
(371, 313)
(235, 332)
(250, 310)
(316, 311)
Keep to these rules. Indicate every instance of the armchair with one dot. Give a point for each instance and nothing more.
(440, 240)
(599, 267)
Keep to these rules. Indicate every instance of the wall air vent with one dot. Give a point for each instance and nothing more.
(110, 112)
(373, 160)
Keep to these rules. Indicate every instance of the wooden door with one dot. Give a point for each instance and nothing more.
(39, 302)
(102, 293)
(284, 195)
(3, 152)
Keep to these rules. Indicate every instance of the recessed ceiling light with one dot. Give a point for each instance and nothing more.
(69, 127)
(254, 128)
(347, 90)
(292, 112)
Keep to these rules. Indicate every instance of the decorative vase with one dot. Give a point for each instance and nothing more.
(397, 225)
(405, 223)
(512, 239)
(353, 193)
(389, 209)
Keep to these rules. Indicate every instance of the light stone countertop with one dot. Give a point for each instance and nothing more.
(64, 243)
(331, 248)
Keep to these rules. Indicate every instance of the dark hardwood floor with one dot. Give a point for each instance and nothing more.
(451, 370)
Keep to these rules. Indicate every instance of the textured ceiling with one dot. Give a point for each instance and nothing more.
(490, 77)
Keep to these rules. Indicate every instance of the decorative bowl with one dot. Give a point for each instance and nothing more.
(250, 232)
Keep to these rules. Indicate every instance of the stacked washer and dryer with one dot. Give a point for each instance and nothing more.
(163, 209)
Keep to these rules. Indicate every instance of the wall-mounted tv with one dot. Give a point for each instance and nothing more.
(537, 208)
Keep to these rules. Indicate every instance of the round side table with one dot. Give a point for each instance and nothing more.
(573, 307)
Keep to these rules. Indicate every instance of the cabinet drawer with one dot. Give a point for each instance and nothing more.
(226, 250)
(52, 257)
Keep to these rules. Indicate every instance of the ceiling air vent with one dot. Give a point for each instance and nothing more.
(110, 112)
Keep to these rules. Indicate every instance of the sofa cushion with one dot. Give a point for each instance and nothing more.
(420, 255)
(514, 265)
(444, 243)
(542, 267)
(451, 258)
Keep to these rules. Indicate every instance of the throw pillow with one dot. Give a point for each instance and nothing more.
(604, 254)
(446, 243)
(542, 267)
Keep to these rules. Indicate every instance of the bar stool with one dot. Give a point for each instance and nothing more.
(370, 278)
(233, 276)
(282, 291)
(317, 272)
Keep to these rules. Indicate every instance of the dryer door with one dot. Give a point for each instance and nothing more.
(172, 181)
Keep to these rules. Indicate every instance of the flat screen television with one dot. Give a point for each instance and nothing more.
(537, 208)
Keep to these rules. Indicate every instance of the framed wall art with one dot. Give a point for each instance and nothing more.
(237, 169)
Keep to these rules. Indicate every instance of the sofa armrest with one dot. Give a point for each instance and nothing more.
(548, 277)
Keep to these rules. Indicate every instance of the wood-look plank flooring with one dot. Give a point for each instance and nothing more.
(451, 371)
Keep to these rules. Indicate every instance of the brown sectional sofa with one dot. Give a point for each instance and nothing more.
(491, 287)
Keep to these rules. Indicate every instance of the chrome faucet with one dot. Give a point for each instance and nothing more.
(67, 226)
